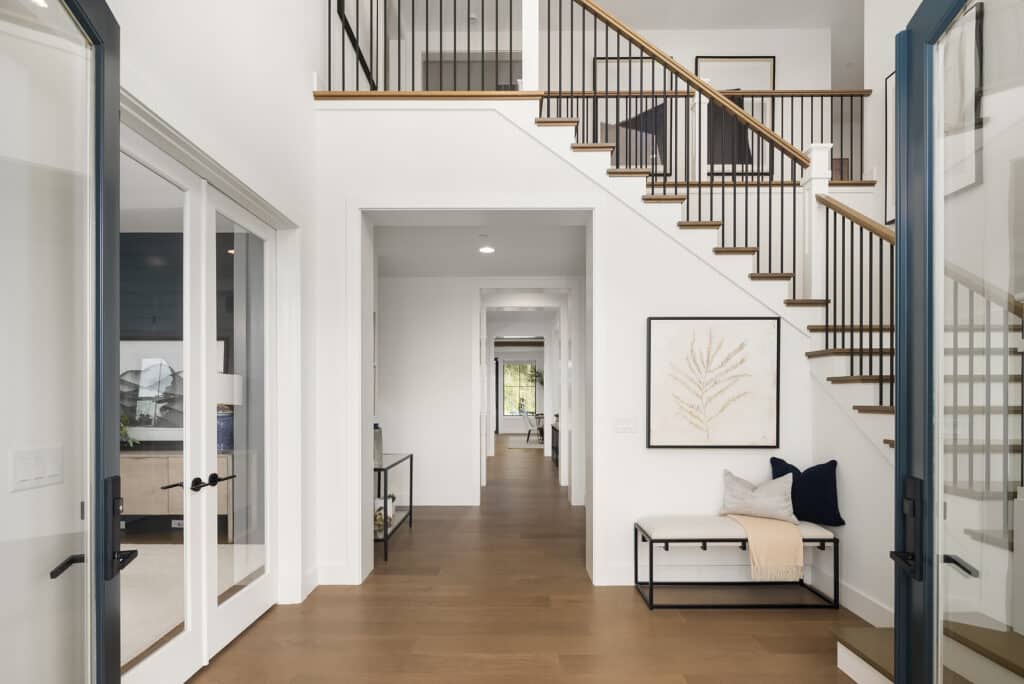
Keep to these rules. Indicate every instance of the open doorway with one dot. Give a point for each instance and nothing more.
(475, 317)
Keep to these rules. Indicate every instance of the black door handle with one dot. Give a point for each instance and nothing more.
(215, 478)
(124, 558)
(904, 559)
(173, 485)
(961, 565)
(67, 563)
(197, 484)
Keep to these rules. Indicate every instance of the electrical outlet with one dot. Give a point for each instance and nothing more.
(124, 525)
(178, 524)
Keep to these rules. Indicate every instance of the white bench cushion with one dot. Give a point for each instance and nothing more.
(712, 527)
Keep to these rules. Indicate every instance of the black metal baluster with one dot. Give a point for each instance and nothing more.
(988, 395)
(511, 79)
(1005, 499)
(828, 289)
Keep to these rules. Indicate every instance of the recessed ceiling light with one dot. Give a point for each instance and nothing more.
(486, 249)
(40, 3)
(231, 251)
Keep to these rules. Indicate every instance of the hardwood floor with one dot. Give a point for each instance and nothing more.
(500, 594)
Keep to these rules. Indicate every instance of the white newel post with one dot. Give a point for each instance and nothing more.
(815, 182)
(531, 44)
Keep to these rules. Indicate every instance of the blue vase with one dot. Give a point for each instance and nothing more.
(225, 430)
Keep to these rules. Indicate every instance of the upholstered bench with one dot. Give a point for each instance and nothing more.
(702, 531)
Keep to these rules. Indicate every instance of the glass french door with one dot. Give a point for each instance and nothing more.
(962, 221)
(197, 286)
(240, 324)
(59, 580)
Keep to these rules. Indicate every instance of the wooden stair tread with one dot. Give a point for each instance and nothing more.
(1014, 327)
(853, 183)
(818, 353)
(876, 410)
(699, 225)
(735, 250)
(874, 645)
(995, 352)
(771, 276)
(806, 302)
(978, 494)
(660, 199)
(981, 410)
(629, 172)
(849, 328)
(1001, 538)
(593, 147)
(553, 121)
(997, 377)
(1003, 647)
(859, 379)
(994, 448)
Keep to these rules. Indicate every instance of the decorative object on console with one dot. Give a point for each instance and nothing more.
(713, 382)
(773, 499)
(815, 494)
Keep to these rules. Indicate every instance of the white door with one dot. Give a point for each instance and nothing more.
(240, 324)
(163, 622)
(197, 303)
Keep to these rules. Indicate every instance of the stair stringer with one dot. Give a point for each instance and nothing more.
(629, 192)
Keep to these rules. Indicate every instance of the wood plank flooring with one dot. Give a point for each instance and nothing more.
(500, 594)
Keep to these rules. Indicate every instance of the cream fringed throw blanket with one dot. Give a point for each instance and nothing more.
(776, 549)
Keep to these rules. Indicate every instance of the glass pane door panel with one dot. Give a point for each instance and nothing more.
(238, 388)
(979, 208)
(152, 385)
(47, 253)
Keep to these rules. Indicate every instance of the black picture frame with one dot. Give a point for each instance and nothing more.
(737, 58)
(777, 320)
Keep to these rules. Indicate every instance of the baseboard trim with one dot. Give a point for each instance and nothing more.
(855, 600)
(857, 669)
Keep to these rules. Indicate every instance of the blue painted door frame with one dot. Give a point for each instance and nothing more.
(101, 28)
(916, 625)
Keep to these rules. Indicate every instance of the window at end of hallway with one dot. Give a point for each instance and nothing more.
(520, 389)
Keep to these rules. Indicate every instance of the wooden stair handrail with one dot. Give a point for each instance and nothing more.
(871, 225)
(699, 85)
(978, 284)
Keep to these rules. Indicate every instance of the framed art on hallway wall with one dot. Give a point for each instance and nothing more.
(713, 382)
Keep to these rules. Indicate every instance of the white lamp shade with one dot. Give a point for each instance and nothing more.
(228, 389)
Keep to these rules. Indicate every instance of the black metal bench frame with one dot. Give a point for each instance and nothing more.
(640, 533)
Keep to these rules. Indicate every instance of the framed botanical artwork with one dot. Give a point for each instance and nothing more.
(713, 383)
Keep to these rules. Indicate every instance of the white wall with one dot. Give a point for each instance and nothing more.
(638, 270)
(802, 56)
(426, 399)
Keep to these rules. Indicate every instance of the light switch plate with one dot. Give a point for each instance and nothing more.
(35, 468)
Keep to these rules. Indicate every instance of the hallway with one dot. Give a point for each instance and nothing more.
(500, 593)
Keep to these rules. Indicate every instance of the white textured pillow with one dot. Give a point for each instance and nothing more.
(773, 499)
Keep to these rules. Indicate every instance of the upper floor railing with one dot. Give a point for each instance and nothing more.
(734, 160)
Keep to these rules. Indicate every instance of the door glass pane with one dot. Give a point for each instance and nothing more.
(152, 385)
(47, 307)
(238, 389)
(979, 208)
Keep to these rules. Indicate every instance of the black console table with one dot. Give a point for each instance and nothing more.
(554, 444)
(403, 513)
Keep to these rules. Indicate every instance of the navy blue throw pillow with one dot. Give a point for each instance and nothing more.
(815, 498)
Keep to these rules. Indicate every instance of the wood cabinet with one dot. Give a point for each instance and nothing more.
(143, 473)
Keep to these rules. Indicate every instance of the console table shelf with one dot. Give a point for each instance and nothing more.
(402, 514)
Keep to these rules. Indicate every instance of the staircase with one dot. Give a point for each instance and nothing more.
(743, 180)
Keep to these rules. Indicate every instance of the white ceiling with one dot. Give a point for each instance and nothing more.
(446, 243)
